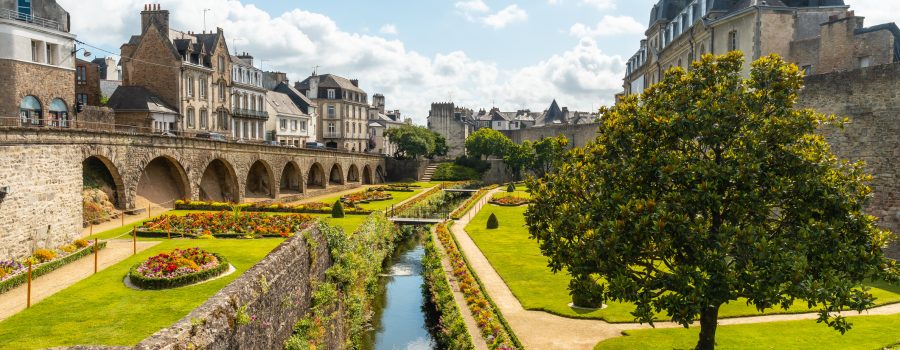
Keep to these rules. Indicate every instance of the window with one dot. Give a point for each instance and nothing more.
(189, 86)
(30, 111)
(330, 94)
(204, 120)
(49, 54)
(259, 102)
(865, 62)
(81, 98)
(80, 75)
(331, 128)
(303, 125)
(24, 9)
(293, 125)
(252, 104)
(202, 88)
(190, 118)
(221, 64)
(35, 54)
(221, 91)
(282, 123)
(732, 40)
(331, 113)
(59, 113)
(223, 120)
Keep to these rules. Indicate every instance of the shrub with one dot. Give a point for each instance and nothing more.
(511, 187)
(453, 172)
(492, 222)
(338, 210)
(586, 293)
(44, 255)
(81, 243)
(474, 163)
(68, 248)
(177, 268)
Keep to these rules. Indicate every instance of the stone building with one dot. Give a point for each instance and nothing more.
(287, 124)
(453, 123)
(380, 120)
(248, 107)
(189, 72)
(343, 111)
(818, 35)
(37, 64)
(278, 82)
(87, 83)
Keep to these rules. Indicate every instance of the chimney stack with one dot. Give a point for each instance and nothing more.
(355, 82)
(154, 12)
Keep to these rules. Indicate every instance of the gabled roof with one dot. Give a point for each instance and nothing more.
(138, 99)
(137, 40)
(330, 81)
(283, 105)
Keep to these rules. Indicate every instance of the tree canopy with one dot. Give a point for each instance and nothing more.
(711, 187)
(414, 141)
(487, 142)
(548, 154)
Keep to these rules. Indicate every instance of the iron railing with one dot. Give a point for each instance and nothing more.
(243, 112)
(24, 17)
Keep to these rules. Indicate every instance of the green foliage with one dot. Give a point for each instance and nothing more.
(548, 155)
(488, 142)
(241, 317)
(453, 172)
(414, 141)
(711, 187)
(451, 331)
(492, 222)
(511, 187)
(473, 162)
(167, 283)
(337, 211)
(517, 157)
(43, 269)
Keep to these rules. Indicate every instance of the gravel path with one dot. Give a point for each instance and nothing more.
(541, 330)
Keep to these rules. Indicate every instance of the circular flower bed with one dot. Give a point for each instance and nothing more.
(509, 201)
(177, 268)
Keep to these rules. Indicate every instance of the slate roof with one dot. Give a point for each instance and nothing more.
(667, 10)
(296, 96)
(330, 81)
(138, 99)
(283, 105)
(108, 87)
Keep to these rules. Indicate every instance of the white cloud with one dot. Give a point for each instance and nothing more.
(876, 11)
(388, 29)
(600, 4)
(297, 40)
(470, 6)
(505, 17)
(608, 26)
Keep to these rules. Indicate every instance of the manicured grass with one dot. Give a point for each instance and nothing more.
(102, 310)
(518, 260)
(349, 222)
(382, 205)
(868, 333)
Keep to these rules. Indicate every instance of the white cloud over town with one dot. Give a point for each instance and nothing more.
(295, 41)
(608, 26)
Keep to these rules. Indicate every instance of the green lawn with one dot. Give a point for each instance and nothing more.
(101, 310)
(519, 262)
(868, 333)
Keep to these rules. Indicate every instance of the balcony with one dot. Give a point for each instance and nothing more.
(246, 113)
(41, 22)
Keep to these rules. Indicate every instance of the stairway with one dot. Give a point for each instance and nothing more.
(429, 171)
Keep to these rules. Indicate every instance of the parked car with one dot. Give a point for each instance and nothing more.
(315, 145)
(214, 136)
(271, 143)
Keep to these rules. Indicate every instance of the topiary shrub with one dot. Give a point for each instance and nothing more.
(511, 187)
(44, 255)
(337, 211)
(492, 222)
(586, 293)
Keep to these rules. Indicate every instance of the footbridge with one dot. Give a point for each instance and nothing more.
(43, 171)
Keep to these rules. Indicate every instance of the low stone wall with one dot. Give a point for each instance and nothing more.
(270, 297)
(578, 135)
(402, 170)
(498, 173)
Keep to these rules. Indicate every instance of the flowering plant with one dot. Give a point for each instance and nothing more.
(227, 223)
(177, 263)
(509, 201)
(9, 268)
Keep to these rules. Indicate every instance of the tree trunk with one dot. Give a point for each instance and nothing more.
(709, 320)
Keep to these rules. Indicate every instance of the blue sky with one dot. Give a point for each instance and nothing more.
(476, 53)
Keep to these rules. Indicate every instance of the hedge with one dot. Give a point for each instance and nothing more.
(180, 281)
(463, 209)
(204, 206)
(164, 234)
(451, 332)
(45, 268)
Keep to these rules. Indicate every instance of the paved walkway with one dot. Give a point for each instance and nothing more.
(44, 286)
(471, 325)
(541, 330)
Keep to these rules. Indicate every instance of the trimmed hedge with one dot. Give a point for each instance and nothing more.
(164, 234)
(204, 206)
(453, 172)
(492, 222)
(450, 331)
(463, 209)
(45, 268)
(180, 281)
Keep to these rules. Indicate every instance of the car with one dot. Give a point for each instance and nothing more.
(214, 136)
(315, 145)
(271, 143)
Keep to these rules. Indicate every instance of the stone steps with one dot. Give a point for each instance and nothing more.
(429, 172)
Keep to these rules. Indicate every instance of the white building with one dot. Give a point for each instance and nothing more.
(288, 124)
(248, 108)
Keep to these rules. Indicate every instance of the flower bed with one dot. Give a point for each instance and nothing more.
(397, 188)
(177, 268)
(462, 210)
(225, 225)
(15, 273)
(305, 208)
(509, 201)
(493, 328)
(367, 196)
(450, 330)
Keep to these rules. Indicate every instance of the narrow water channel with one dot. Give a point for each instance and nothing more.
(399, 320)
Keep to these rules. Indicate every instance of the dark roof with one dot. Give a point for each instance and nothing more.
(208, 40)
(553, 115)
(667, 10)
(138, 99)
(330, 81)
(891, 27)
(283, 104)
(298, 97)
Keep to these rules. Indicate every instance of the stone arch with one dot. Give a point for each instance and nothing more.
(99, 172)
(291, 179)
(316, 177)
(219, 182)
(379, 174)
(336, 175)
(260, 180)
(353, 173)
(367, 175)
(162, 182)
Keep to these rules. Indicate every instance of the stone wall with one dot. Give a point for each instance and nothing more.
(870, 97)
(578, 135)
(97, 118)
(46, 83)
(404, 170)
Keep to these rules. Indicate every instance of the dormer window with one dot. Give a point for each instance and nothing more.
(331, 94)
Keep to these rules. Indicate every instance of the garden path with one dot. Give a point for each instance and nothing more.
(117, 222)
(44, 286)
(471, 325)
(542, 330)
(320, 197)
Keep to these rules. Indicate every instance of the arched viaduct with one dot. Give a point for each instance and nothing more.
(41, 175)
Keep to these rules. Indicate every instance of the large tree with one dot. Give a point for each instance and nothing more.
(548, 154)
(487, 142)
(711, 187)
(414, 141)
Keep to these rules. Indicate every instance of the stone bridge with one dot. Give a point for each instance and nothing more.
(42, 172)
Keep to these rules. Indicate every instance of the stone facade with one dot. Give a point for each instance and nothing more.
(97, 118)
(87, 83)
(44, 176)
(343, 109)
(578, 135)
(454, 123)
(45, 83)
(870, 98)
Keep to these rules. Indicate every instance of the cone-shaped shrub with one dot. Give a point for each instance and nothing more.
(337, 211)
(492, 222)
(511, 187)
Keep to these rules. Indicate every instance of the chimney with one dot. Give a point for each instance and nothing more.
(246, 57)
(280, 77)
(355, 82)
(153, 12)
